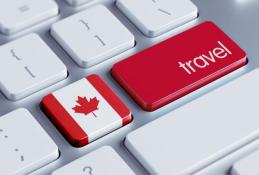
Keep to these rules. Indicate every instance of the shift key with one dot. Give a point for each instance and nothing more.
(178, 66)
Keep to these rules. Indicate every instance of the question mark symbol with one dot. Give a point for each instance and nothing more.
(88, 170)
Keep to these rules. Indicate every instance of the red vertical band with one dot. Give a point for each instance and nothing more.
(63, 121)
(108, 94)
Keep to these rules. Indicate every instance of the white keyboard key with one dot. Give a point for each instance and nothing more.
(77, 2)
(155, 17)
(16, 15)
(92, 36)
(223, 166)
(247, 165)
(24, 145)
(28, 65)
(200, 132)
(102, 161)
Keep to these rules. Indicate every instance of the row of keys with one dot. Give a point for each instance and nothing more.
(100, 42)
(213, 141)
(158, 18)
(22, 150)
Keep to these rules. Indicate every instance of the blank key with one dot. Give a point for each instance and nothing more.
(155, 17)
(16, 15)
(28, 65)
(201, 132)
(247, 165)
(92, 36)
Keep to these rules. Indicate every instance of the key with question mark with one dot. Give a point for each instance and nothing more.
(102, 161)
(88, 170)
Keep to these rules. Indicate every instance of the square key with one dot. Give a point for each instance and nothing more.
(86, 110)
(92, 36)
(25, 146)
(17, 15)
(28, 65)
(155, 17)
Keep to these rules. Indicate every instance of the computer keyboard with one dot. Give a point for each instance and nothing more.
(78, 78)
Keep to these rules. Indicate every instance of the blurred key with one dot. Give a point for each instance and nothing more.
(77, 2)
(16, 15)
(155, 17)
(247, 165)
(102, 161)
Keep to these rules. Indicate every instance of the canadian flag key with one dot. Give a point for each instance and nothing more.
(86, 110)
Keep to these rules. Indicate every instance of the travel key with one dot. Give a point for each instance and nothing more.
(86, 110)
(178, 66)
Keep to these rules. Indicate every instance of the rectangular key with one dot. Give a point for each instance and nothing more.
(28, 65)
(16, 15)
(99, 162)
(86, 110)
(155, 17)
(201, 132)
(24, 145)
(92, 36)
(178, 66)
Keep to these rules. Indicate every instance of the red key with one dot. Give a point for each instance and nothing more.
(178, 66)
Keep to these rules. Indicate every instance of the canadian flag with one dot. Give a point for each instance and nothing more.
(86, 110)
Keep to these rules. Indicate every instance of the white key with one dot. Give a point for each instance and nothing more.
(16, 15)
(28, 65)
(223, 166)
(247, 165)
(155, 17)
(102, 161)
(24, 145)
(77, 2)
(92, 36)
(201, 132)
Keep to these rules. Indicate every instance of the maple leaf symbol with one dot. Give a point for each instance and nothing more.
(85, 107)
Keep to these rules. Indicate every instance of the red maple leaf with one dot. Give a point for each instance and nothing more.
(85, 107)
